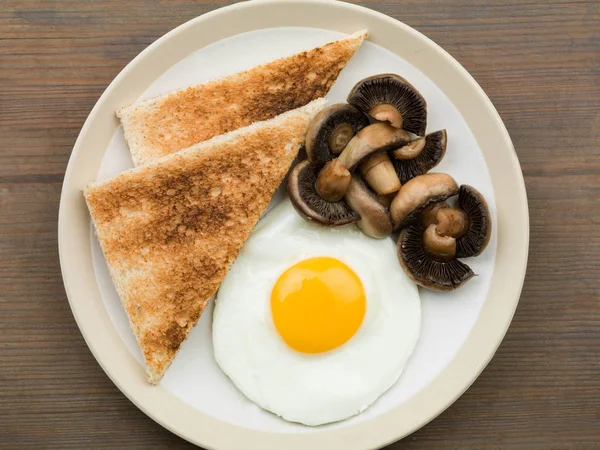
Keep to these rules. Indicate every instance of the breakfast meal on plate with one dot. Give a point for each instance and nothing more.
(180, 119)
(314, 323)
(171, 229)
(317, 308)
(368, 162)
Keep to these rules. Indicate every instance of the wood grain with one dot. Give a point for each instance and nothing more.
(539, 62)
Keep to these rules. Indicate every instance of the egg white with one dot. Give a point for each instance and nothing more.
(313, 389)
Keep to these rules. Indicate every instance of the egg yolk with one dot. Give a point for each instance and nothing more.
(318, 304)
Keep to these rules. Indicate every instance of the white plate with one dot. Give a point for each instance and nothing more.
(460, 330)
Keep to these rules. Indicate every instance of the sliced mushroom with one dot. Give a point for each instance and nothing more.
(419, 156)
(476, 238)
(374, 220)
(390, 98)
(310, 205)
(331, 130)
(424, 268)
(332, 181)
(420, 192)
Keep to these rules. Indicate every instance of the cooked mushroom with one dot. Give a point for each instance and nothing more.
(419, 156)
(390, 98)
(374, 218)
(418, 194)
(469, 223)
(368, 148)
(477, 236)
(332, 181)
(331, 130)
(426, 267)
(310, 205)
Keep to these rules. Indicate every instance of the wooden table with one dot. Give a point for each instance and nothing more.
(539, 62)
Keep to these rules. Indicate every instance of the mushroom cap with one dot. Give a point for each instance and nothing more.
(377, 137)
(391, 89)
(431, 155)
(374, 220)
(477, 237)
(424, 269)
(418, 194)
(310, 205)
(324, 124)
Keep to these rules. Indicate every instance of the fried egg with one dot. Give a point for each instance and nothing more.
(314, 323)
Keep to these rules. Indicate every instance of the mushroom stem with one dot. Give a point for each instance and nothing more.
(379, 173)
(332, 181)
(339, 138)
(442, 248)
(452, 222)
(385, 112)
(429, 215)
(410, 150)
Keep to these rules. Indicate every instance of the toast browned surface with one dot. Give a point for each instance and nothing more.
(166, 124)
(171, 229)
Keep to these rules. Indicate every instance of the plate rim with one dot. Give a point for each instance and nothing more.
(202, 429)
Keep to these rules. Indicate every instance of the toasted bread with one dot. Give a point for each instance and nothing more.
(171, 229)
(163, 125)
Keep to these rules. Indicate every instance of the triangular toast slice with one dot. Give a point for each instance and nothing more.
(172, 122)
(171, 229)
